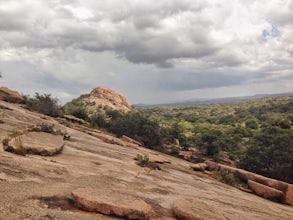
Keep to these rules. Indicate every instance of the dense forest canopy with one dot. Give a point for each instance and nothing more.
(256, 134)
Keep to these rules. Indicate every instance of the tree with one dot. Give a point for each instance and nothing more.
(251, 123)
(270, 153)
(137, 126)
(43, 104)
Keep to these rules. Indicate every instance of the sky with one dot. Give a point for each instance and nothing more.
(150, 51)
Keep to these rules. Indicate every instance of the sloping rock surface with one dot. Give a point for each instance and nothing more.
(41, 143)
(36, 187)
(192, 209)
(111, 202)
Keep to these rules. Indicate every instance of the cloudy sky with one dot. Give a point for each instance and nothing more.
(151, 51)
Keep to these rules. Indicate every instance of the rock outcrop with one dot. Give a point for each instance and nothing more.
(73, 119)
(100, 97)
(111, 202)
(10, 95)
(199, 166)
(263, 186)
(40, 143)
(265, 191)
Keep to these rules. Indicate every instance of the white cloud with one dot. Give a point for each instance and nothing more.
(71, 46)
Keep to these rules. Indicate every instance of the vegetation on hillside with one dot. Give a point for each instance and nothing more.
(256, 135)
(43, 104)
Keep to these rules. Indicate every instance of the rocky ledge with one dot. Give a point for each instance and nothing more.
(40, 143)
(111, 202)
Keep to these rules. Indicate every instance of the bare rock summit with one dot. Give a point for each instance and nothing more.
(9, 95)
(100, 97)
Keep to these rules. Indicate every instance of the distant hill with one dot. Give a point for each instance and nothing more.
(225, 100)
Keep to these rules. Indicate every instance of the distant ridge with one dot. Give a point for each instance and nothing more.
(225, 100)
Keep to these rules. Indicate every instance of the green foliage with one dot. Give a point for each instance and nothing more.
(251, 123)
(79, 112)
(257, 134)
(138, 126)
(144, 161)
(175, 151)
(43, 104)
(98, 120)
(270, 153)
(229, 178)
(76, 108)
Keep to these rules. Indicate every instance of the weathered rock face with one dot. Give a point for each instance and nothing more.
(40, 143)
(10, 95)
(192, 209)
(262, 186)
(288, 199)
(106, 97)
(199, 166)
(265, 191)
(111, 202)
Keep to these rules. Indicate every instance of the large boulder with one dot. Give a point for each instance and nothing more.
(265, 191)
(40, 143)
(110, 202)
(277, 184)
(100, 97)
(10, 95)
(193, 209)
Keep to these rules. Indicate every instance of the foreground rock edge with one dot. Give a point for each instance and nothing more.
(281, 190)
(118, 204)
(194, 209)
(20, 144)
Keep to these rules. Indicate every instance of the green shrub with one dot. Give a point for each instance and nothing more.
(270, 153)
(229, 178)
(144, 161)
(175, 151)
(137, 126)
(98, 120)
(43, 104)
(251, 123)
(79, 112)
